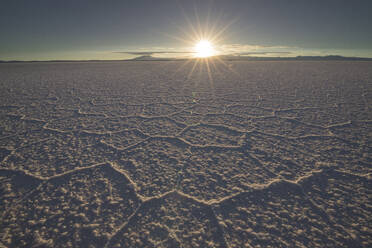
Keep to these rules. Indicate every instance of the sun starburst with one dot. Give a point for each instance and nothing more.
(204, 49)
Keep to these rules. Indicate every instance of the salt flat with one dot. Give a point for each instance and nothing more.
(168, 154)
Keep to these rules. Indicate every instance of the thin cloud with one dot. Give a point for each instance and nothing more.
(261, 53)
(154, 52)
(247, 49)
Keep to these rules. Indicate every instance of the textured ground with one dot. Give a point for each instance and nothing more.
(167, 154)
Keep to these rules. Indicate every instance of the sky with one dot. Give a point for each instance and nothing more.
(79, 29)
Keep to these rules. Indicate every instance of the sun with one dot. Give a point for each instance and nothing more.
(204, 49)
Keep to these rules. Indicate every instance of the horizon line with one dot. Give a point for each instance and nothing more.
(227, 57)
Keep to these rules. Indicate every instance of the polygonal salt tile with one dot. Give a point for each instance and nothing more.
(232, 120)
(216, 172)
(160, 126)
(278, 216)
(154, 164)
(159, 109)
(212, 135)
(247, 110)
(81, 208)
(123, 139)
(346, 199)
(14, 185)
(174, 220)
(57, 155)
(287, 127)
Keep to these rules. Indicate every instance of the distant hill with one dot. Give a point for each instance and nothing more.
(151, 58)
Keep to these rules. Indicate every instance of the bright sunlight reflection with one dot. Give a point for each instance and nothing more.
(203, 49)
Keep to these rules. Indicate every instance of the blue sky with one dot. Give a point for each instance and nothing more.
(77, 29)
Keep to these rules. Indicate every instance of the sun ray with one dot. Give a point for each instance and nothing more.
(211, 82)
(214, 65)
(216, 36)
(227, 66)
(176, 37)
(193, 30)
(200, 30)
(188, 61)
(193, 68)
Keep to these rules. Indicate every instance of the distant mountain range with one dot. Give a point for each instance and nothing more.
(298, 58)
(222, 57)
